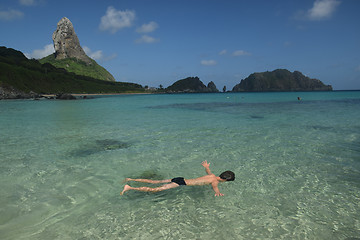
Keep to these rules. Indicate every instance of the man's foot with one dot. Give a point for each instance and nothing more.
(126, 188)
(126, 180)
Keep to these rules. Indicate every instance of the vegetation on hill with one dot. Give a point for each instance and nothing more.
(79, 67)
(20, 73)
(280, 80)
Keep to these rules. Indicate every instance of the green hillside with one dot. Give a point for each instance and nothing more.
(79, 67)
(30, 75)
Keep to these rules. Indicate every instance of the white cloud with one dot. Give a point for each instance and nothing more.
(322, 9)
(40, 53)
(98, 55)
(208, 62)
(223, 52)
(240, 53)
(357, 69)
(146, 39)
(94, 55)
(11, 15)
(115, 20)
(27, 2)
(147, 28)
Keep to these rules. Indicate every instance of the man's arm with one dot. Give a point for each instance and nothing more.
(216, 189)
(206, 166)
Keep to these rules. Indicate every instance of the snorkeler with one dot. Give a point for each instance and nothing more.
(208, 179)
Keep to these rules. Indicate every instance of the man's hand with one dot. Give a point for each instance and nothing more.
(218, 194)
(205, 164)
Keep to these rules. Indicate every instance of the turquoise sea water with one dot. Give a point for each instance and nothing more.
(297, 166)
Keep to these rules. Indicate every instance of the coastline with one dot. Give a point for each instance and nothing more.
(92, 94)
(14, 94)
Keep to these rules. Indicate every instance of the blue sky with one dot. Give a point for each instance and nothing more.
(153, 42)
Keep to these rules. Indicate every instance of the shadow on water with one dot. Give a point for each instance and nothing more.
(173, 195)
(136, 196)
(256, 117)
(321, 128)
(232, 107)
(236, 107)
(100, 146)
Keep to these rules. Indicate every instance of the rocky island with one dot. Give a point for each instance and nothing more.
(191, 85)
(280, 80)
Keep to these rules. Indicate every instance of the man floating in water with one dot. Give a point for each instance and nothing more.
(208, 179)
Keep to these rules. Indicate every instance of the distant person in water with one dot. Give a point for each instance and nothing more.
(208, 179)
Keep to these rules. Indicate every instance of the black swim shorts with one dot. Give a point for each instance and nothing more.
(179, 181)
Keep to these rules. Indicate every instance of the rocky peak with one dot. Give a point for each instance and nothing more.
(212, 87)
(66, 42)
(191, 85)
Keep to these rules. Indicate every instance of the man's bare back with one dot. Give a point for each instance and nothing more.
(210, 178)
(204, 180)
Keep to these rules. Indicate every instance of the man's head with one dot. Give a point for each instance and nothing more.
(228, 176)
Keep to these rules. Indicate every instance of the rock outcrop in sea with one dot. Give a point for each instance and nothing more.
(212, 87)
(66, 42)
(191, 85)
(280, 80)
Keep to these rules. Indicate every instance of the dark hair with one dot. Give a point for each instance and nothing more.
(228, 176)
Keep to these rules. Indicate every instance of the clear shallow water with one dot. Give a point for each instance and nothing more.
(297, 166)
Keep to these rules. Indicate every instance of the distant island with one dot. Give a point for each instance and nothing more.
(280, 80)
(191, 85)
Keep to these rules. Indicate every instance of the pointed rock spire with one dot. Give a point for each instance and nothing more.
(66, 42)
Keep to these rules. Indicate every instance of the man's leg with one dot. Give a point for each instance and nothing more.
(148, 189)
(148, 180)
